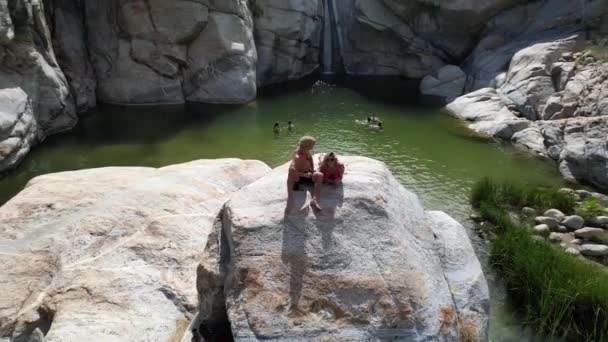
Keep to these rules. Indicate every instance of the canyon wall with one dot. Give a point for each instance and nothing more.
(35, 100)
(60, 57)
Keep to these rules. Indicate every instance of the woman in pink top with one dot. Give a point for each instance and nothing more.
(332, 169)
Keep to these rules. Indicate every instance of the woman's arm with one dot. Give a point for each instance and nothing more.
(340, 172)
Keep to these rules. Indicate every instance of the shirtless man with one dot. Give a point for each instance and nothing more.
(302, 172)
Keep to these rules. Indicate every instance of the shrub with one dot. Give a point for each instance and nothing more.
(560, 295)
(483, 192)
(590, 208)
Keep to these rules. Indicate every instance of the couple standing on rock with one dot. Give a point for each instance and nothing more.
(302, 171)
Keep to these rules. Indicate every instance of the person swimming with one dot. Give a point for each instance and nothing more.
(374, 119)
(276, 128)
(290, 126)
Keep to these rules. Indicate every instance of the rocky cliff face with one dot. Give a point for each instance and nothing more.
(157, 51)
(149, 51)
(409, 38)
(35, 100)
(553, 101)
(63, 58)
(288, 39)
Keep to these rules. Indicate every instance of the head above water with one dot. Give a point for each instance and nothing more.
(380, 124)
(289, 122)
(307, 142)
(276, 124)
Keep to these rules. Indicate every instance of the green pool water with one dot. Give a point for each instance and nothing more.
(431, 153)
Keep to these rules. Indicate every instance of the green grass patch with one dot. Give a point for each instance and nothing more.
(560, 295)
(509, 195)
(590, 208)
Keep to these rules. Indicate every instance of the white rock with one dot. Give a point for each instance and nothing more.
(573, 222)
(528, 212)
(542, 230)
(556, 214)
(572, 251)
(525, 86)
(567, 191)
(110, 254)
(594, 250)
(555, 237)
(372, 255)
(576, 241)
(549, 221)
(589, 233)
(486, 113)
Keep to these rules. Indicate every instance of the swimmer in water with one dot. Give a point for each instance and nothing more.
(276, 128)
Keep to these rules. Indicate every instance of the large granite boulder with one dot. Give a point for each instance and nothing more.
(486, 113)
(529, 82)
(447, 84)
(522, 26)
(372, 266)
(584, 153)
(585, 92)
(35, 99)
(287, 39)
(110, 254)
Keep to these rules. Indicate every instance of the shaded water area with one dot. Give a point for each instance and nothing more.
(431, 153)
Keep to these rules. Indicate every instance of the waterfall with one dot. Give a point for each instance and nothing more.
(327, 44)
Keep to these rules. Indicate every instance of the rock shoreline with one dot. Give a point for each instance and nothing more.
(68, 55)
(553, 102)
(121, 254)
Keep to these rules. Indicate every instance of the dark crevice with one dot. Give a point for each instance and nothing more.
(36, 330)
(213, 324)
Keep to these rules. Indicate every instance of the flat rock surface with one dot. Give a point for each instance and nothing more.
(372, 266)
(111, 254)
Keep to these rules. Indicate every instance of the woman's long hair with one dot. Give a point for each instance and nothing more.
(325, 161)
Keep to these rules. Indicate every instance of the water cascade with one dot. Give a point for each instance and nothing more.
(327, 38)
